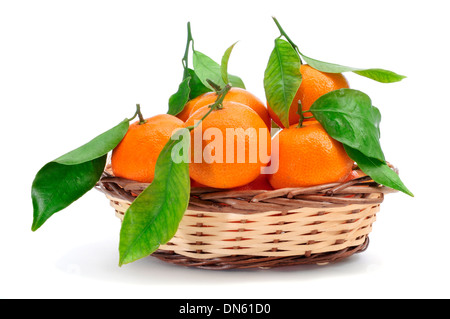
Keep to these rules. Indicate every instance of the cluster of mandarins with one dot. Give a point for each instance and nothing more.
(305, 155)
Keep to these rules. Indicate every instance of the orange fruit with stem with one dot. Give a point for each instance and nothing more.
(226, 148)
(235, 94)
(135, 156)
(308, 156)
(314, 84)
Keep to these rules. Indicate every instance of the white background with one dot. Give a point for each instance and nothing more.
(70, 70)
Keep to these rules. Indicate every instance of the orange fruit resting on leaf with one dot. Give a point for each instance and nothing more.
(308, 156)
(135, 156)
(222, 161)
(314, 84)
(235, 95)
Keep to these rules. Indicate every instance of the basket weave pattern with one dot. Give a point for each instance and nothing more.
(246, 229)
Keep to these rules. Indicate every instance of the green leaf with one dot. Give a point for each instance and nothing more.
(189, 89)
(349, 117)
(179, 99)
(208, 69)
(224, 63)
(61, 182)
(380, 75)
(56, 186)
(379, 171)
(327, 67)
(282, 78)
(97, 147)
(154, 216)
(196, 86)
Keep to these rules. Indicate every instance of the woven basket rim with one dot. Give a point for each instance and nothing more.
(353, 192)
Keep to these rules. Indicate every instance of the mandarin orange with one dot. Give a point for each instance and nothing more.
(184, 115)
(354, 174)
(235, 95)
(260, 183)
(308, 156)
(232, 140)
(314, 84)
(135, 156)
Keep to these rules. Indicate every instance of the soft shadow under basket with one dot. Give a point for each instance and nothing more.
(224, 229)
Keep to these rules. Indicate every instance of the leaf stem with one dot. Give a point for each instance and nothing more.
(284, 34)
(215, 86)
(184, 61)
(220, 97)
(141, 118)
(138, 114)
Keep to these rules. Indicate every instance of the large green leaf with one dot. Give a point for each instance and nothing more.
(208, 69)
(61, 182)
(154, 216)
(97, 147)
(349, 117)
(178, 100)
(379, 171)
(282, 78)
(56, 186)
(196, 86)
(380, 75)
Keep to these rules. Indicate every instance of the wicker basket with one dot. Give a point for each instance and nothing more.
(264, 229)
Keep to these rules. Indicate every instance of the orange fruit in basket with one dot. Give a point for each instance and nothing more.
(226, 148)
(235, 95)
(354, 174)
(195, 184)
(308, 156)
(314, 84)
(135, 156)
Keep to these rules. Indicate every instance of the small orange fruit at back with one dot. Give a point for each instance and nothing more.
(135, 156)
(308, 156)
(260, 183)
(314, 84)
(210, 166)
(235, 95)
(184, 115)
